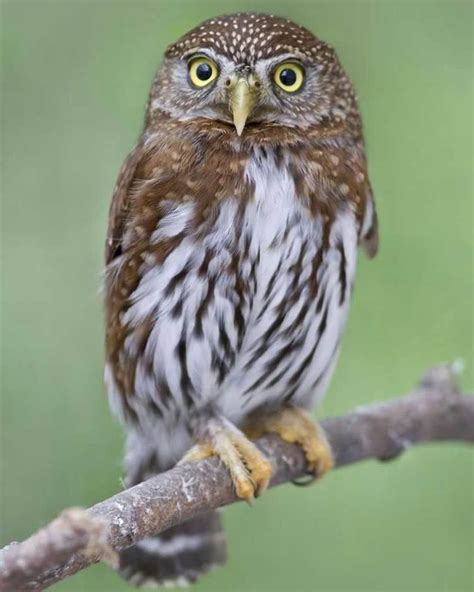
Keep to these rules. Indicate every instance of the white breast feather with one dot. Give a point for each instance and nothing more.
(280, 226)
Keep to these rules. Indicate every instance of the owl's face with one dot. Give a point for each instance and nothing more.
(248, 70)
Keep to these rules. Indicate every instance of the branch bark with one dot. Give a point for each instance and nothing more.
(434, 411)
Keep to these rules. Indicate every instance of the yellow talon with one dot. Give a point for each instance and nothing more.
(295, 425)
(249, 469)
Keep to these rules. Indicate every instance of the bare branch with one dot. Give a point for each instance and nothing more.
(435, 411)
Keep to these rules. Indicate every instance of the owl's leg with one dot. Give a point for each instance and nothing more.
(296, 426)
(249, 469)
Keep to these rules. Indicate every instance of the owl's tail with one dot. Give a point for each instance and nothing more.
(178, 556)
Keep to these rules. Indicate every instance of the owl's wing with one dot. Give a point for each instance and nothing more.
(120, 204)
(369, 232)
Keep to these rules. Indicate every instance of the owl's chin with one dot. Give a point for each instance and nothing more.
(261, 131)
(252, 127)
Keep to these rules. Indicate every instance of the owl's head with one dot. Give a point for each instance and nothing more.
(251, 69)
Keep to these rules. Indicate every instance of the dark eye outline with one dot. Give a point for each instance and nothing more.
(300, 76)
(194, 63)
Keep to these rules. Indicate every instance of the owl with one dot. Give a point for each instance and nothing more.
(230, 261)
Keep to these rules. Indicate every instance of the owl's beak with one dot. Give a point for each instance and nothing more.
(242, 99)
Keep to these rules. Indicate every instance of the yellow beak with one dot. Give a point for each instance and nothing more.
(242, 101)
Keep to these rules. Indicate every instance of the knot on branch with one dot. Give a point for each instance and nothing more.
(73, 531)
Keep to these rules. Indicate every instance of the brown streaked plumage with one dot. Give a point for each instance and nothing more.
(231, 253)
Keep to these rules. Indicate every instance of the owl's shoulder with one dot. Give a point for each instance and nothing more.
(334, 174)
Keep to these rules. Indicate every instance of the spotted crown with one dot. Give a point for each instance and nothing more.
(249, 37)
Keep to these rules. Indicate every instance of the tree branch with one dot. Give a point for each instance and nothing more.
(434, 411)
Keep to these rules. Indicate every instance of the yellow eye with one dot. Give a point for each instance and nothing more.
(202, 71)
(289, 77)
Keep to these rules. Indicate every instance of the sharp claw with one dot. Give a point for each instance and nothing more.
(246, 491)
(249, 469)
(296, 426)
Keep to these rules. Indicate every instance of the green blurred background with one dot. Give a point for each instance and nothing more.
(74, 81)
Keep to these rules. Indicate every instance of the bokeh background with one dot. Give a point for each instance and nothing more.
(75, 75)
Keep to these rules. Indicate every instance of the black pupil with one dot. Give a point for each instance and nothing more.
(288, 77)
(204, 72)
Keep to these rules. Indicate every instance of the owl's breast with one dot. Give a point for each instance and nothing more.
(247, 308)
(303, 282)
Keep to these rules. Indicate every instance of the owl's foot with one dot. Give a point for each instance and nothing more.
(295, 425)
(249, 469)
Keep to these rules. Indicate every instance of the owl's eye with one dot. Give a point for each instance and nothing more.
(289, 77)
(202, 71)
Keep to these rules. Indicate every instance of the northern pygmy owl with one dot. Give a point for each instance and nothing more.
(230, 259)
